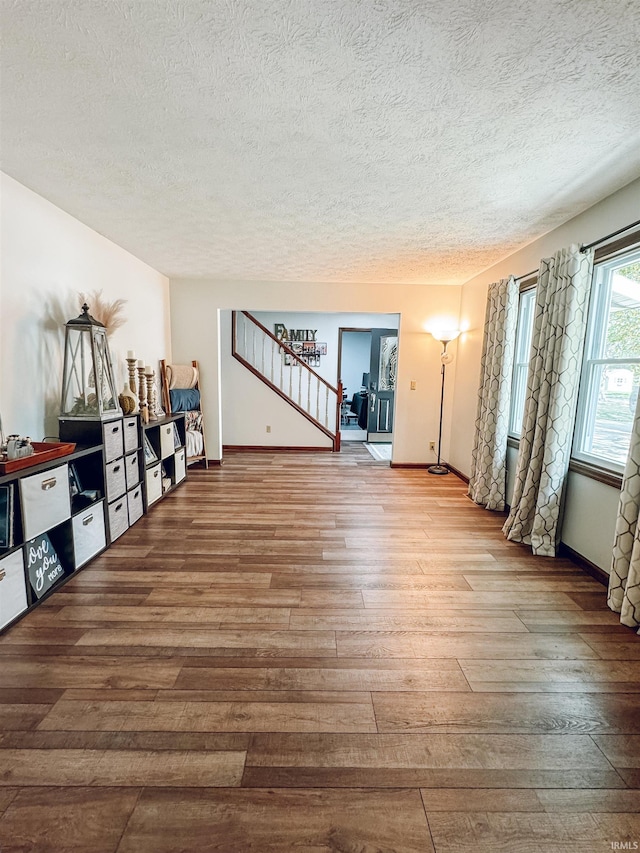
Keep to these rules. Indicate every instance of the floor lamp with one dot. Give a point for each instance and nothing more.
(445, 337)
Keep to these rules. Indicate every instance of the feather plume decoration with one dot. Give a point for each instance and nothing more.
(110, 314)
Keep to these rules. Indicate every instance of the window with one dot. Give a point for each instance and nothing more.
(611, 365)
(521, 359)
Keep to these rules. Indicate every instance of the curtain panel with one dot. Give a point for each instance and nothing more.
(487, 484)
(551, 398)
(624, 580)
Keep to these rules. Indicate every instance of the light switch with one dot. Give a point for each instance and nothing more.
(413, 384)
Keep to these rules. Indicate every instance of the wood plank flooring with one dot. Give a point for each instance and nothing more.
(316, 652)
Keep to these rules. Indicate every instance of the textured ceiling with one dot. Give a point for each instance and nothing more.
(321, 140)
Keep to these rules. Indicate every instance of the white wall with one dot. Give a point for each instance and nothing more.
(590, 506)
(47, 257)
(248, 405)
(195, 305)
(589, 519)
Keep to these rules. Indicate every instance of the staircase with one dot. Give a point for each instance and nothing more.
(278, 366)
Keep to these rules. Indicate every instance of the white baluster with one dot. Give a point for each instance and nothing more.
(326, 404)
(300, 385)
(317, 400)
(309, 391)
(290, 381)
(273, 349)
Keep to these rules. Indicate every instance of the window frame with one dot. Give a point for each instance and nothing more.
(520, 371)
(597, 467)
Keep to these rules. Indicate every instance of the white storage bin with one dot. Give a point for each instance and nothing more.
(130, 429)
(115, 479)
(89, 536)
(181, 465)
(132, 469)
(113, 443)
(166, 440)
(153, 482)
(13, 588)
(118, 517)
(134, 502)
(45, 500)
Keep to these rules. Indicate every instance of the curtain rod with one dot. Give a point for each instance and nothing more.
(526, 275)
(586, 248)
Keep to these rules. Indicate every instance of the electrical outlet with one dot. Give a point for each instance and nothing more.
(268, 427)
(432, 446)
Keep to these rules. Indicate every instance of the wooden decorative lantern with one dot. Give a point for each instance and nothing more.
(88, 386)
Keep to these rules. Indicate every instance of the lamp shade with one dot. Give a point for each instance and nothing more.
(88, 383)
(445, 336)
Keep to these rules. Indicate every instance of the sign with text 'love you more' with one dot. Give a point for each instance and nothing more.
(43, 564)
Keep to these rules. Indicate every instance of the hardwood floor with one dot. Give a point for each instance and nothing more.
(316, 652)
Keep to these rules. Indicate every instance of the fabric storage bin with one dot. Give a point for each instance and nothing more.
(118, 517)
(115, 479)
(132, 469)
(166, 440)
(181, 466)
(134, 502)
(89, 535)
(153, 482)
(113, 442)
(45, 500)
(13, 588)
(130, 430)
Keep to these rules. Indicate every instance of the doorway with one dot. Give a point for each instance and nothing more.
(354, 358)
(367, 367)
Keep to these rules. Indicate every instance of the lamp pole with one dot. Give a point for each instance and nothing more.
(438, 468)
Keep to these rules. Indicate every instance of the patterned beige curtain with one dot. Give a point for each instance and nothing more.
(487, 483)
(624, 581)
(550, 403)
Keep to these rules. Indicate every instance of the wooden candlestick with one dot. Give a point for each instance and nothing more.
(151, 396)
(144, 412)
(131, 365)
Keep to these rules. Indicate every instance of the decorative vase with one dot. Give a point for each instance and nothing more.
(127, 400)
